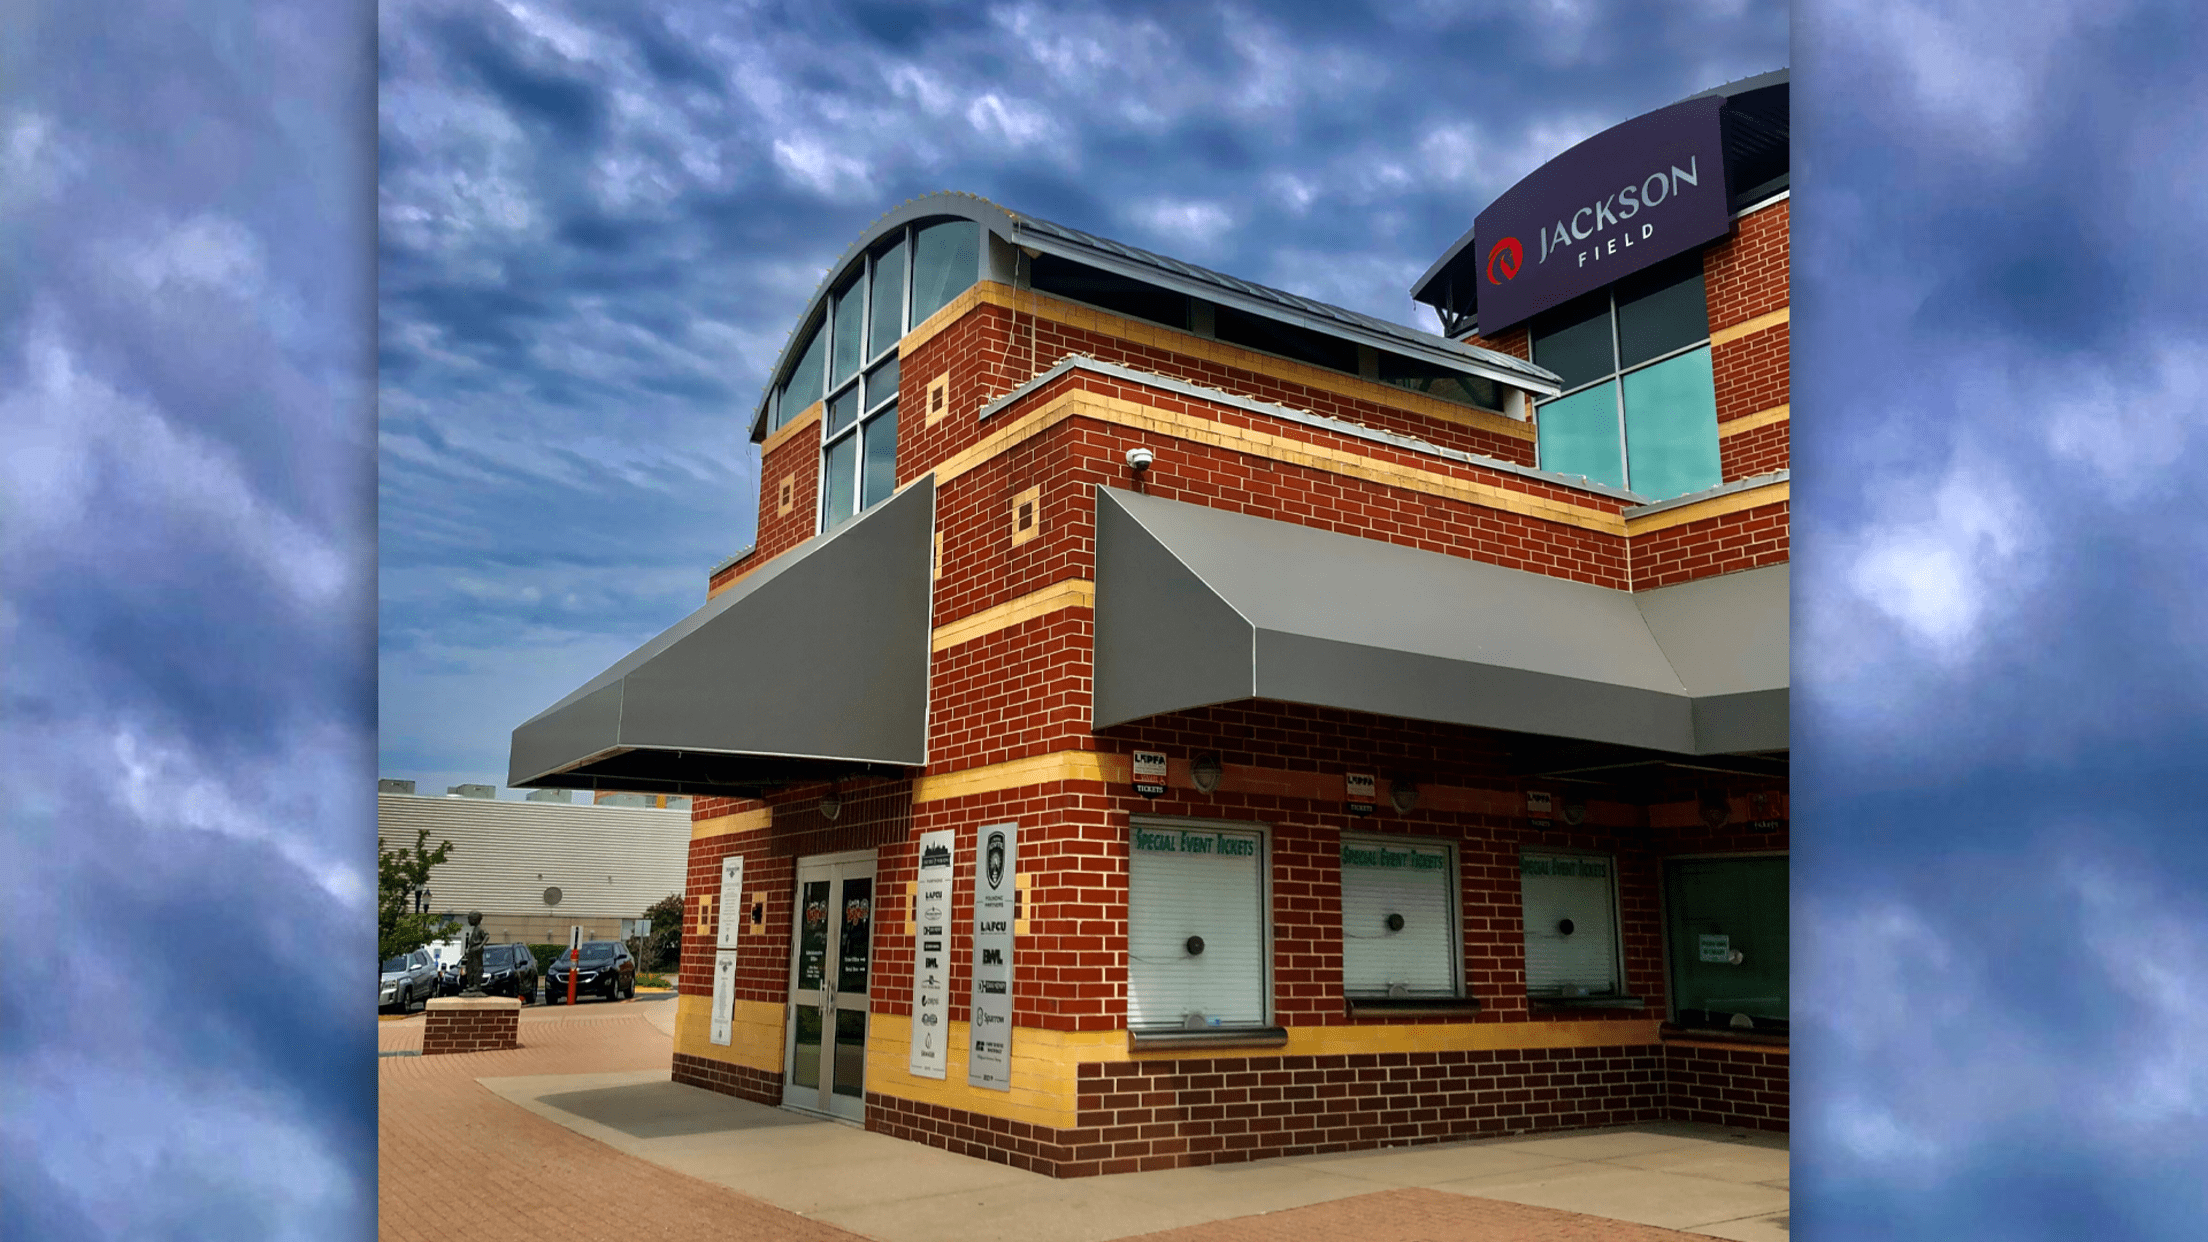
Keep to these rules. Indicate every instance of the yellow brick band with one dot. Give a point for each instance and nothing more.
(1716, 506)
(1157, 336)
(1064, 765)
(789, 430)
(1748, 327)
(1750, 422)
(723, 825)
(1285, 449)
(1046, 1064)
(1073, 593)
(755, 1032)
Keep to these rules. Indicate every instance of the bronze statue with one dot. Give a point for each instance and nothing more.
(471, 955)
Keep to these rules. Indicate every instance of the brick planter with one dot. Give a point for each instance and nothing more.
(471, 1024)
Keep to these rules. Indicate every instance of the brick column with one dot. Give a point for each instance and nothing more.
(471, 1024)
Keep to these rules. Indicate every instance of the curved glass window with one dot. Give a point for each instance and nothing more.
(1639, 408)
(946, 258)
(850, 320)
(887, 298)
(803, 386)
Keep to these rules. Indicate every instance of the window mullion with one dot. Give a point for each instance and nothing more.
(1625, 459)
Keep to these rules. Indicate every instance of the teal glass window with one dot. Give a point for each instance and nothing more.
(1671, 427)
(946, 259)
(1579, 435)
(1726, 923)
(1639, 407)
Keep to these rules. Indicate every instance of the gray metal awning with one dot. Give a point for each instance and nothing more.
(813, 667)
(1197, 606)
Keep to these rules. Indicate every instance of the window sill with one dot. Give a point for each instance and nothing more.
(1224, 1037)
(1670, 1033)
(1586, 1002)
(1386, 1006)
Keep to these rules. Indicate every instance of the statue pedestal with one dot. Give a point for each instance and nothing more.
(471, 1024)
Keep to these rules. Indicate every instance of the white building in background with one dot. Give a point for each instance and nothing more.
(537, 867)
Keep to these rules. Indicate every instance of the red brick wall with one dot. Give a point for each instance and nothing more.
(1716, 545)
(1752, 453)
(1745, 275)
(728, 1078)
(470, 1030)
(1740, 1085)
(1161, 1114)
(1751, 373)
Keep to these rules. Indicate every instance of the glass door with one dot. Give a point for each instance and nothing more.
(825, 1063)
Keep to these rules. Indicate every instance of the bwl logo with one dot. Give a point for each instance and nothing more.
(992, 957)
(996, 859)
(1504, 260)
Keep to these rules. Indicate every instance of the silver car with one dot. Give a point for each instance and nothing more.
(406, 979)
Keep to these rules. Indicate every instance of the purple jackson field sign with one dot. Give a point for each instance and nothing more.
(1630, 196)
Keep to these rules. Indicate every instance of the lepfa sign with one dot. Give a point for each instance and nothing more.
(1629, 196)
(1150, 773)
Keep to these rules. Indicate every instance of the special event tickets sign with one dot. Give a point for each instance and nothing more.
(996, 862)
(931, 958)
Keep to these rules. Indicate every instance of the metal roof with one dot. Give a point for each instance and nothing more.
(1198, 606)
(1755, 124)
(1044, 236)
(696, 710)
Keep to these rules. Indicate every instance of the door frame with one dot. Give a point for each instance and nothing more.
(815, 862)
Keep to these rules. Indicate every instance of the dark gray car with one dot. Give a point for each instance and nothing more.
(407, 978)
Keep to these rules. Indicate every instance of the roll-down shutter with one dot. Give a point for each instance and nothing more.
(1185, 881)
(1581, 891)
(1415, 881)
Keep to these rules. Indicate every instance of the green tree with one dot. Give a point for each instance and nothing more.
(400, 873)
(665, 946)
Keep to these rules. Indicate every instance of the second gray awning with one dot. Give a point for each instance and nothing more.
(815, 666)
(1198, 606)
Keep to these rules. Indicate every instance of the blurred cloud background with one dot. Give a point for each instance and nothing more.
(560, 245)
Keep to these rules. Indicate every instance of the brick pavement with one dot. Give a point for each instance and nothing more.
(458, 1161)
(1420, 1215)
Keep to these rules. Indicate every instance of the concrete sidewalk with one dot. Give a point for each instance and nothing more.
(597, 1076)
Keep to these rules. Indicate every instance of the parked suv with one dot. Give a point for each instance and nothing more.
(606, 970)
(407, 978)
(510, 970)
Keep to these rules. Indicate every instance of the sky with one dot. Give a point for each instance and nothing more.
(370, 380)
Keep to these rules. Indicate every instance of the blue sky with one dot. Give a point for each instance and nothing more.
(220, 563)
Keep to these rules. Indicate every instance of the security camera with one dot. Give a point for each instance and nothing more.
(1140, 458)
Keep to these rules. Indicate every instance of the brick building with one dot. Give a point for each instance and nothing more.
(1166, 720)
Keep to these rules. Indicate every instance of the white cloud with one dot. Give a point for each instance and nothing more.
(1931, 1057)
(821, 167)
(168, 786)
(1015, 121)
(1183, 225)
(75, 439)
(2132, 434)
(1943, 553)
(218, 1140)
(36, 162)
